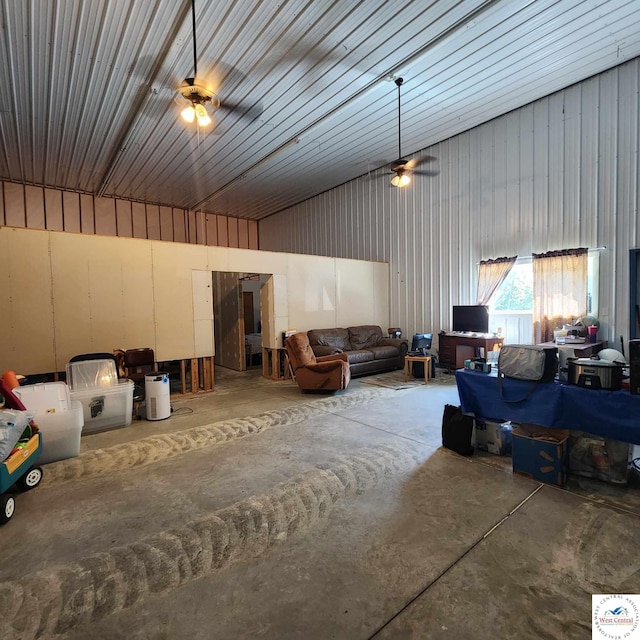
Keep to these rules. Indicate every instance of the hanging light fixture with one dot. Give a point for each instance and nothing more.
(189, 114)
(202, 116)
(401, 179)
(193, 91)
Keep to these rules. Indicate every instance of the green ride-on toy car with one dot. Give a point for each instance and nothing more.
(18, 469)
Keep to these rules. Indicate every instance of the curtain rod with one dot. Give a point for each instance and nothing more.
(603, 248)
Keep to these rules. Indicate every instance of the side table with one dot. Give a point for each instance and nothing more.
(408, 366)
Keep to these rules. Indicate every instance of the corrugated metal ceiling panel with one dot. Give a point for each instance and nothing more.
(90, 103)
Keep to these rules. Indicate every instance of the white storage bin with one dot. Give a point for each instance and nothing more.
(44, 397)
(61, 433)
(106, 407)
(88, 374)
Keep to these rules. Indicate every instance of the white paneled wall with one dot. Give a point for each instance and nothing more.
(560, 172)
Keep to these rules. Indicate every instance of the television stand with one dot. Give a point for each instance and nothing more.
(455, 348)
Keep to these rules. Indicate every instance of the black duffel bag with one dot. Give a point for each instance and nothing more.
(526, 362)
(457, 430)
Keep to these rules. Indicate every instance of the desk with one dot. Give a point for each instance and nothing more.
(609, 414)
(455, 348)
(408, 366)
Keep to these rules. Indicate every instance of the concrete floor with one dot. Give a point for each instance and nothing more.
(259, 511)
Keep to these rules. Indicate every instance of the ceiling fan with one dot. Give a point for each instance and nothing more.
(402, 168)
(198, 100)
(196, 94)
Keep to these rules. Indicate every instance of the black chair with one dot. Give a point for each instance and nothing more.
(420, 345)
(138, 363)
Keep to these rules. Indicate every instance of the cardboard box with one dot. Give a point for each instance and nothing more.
(594, 457)
(494, 437)
(541, 453)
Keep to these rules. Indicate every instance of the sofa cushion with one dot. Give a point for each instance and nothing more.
(356, 357)
(380, 353)
(364, 336)
(338, 338)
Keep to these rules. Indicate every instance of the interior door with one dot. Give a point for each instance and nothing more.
(247, 304)
(229, 321)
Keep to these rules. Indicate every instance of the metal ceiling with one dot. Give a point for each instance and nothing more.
(88, 93)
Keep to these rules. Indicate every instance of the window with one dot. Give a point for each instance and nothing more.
(516, 292)
(511, 305)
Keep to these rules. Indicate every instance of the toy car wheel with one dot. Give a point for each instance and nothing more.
(31, 479)
(8, 507)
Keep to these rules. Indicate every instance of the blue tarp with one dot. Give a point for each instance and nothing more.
(610, 414)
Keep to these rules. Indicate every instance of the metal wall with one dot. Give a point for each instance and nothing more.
(560, 172)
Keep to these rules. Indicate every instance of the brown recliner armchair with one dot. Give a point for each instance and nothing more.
(324, 373)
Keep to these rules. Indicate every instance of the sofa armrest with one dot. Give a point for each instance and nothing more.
(321, 350)
(335, 356)
(399, 343)
(326, 366)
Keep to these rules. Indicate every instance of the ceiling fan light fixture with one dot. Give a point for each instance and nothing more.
(194, 92)
(400, 180)
(202, 116)
(188, 114)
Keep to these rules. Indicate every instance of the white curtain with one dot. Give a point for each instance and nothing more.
(491, 275)
(559, 290)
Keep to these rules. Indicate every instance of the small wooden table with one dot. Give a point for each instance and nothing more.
(408, 366)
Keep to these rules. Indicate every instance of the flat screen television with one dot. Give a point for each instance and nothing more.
(471, 318)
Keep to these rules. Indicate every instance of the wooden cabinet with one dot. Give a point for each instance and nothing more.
(454, 349)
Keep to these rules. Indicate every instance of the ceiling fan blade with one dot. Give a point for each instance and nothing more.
(413, 172)
(244, 110)
(433, 173)
(416, 162)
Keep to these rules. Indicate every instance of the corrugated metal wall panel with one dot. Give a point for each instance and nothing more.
(561, 172)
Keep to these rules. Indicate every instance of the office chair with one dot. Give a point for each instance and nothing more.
(421, 344)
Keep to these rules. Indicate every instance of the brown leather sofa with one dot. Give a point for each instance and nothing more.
(368, 351)
(327, 373)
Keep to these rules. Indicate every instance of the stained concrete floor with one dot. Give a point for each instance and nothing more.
(258, 511)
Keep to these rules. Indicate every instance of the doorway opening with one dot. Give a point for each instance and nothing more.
(239, 319)
(250, 285)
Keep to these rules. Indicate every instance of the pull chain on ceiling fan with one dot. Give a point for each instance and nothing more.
(401, 179)
(194, 92)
